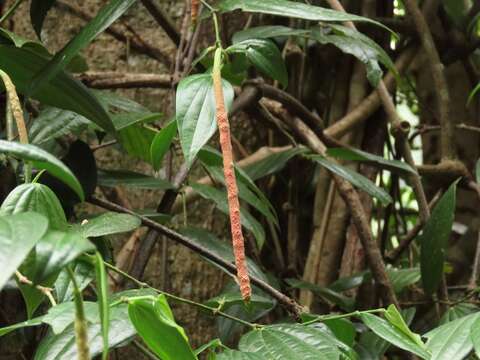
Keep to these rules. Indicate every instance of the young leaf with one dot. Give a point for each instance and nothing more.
(265, 56)
(359, 155)
(111, 178)
(103, 306)
(452, 341)
(105, 17)
(43, 160)
(267, 32)
(293, 9)
(62, 91)
(17, 239)
(434, 240)
(38, 198)
(154, 322)
(38, 12)
(395, 318)
(161, 143)
(394, 335)
(354, 178)
(220, 199)
(195, 112)
(107, 224)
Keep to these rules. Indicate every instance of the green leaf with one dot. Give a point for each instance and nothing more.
(17, 239)
(59, 317)
(291, 341)
(28, 323)
(137, 141)
(292, 9)
(38, 198)
(55, 250)
(195, 112)
(267, 32)
(394, 335)
(238, 355)
(265, 56)
(352, 42)
(107, 224)
(53, 123)
(62, 91)
(43, 160)
(103, 307)
(395, 318)
(112, 178)
(344, 302)
(452, 341)
(125, 120)
(343, 329)
(233, 297)
(154, 322)
(84, 274)
(473, 93)
(38, 12)
(359, 155)
(222, 249)
(104, 18)
(475, 336)
(211, 345)
(458, 311)
(247, 190)
(434, 240)
(219, 197)
(161, 143)
(402, 278)
(354, 178)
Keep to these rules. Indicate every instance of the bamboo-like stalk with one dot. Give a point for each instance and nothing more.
(230, 181)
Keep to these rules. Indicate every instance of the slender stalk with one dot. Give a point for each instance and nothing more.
(10, 11)
(81, 336)
(322, 318)
(230, 181)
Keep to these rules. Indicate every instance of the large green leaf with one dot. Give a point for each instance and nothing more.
(154, 322)
(55, 250)
(104, 18)
(107, 224)
(195, 112)
(53, 123)
(394, 335)
(291, 341)
(291, 9)
(267, 32)
(452, 341)
(62, 91)
(359, 155)
(38, 12)
(111, 178)
(38, 198)
(458, 311)
(43, 160)
(352, 42)
(354, 178)
(265, 56)
(161, 143)
(17, 239)
(219, 197)
(434, 240)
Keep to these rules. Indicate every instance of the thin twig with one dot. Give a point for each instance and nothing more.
(44, 290)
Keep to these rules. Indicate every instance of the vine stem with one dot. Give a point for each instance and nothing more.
(230, 181)
(342, 316)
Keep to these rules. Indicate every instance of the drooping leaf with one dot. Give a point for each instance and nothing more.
(267, 32)
(265, 56)
(154, 322)
(137, 141)
(393, 316)
(434, 240)
(104, 18)
(354, 178)
(38, 198)
(293, 9)
(291, 341)
(111, 178)
(28, 323)
(195, 112)
(359, 155)
(219, 197)
(452, 341)
(17, 239)
(161, 143)
(62, 91)
(55, 250)
(53, 123)
(43, 160)
(394, 335)
(103, 306)
(107, 224)
(352, 42)
(38, 12)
